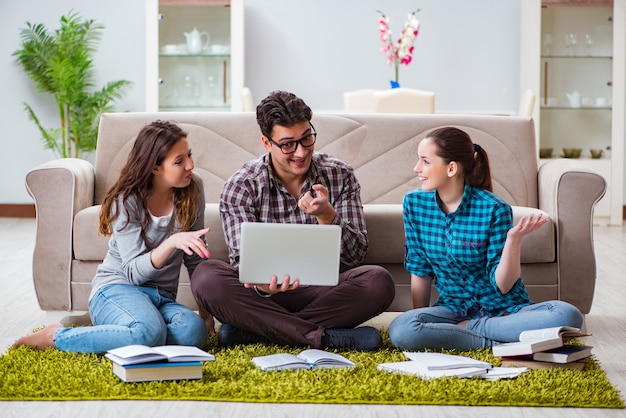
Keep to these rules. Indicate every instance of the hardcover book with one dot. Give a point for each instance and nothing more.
(528, 362)
(158, 371)
(533, 341)
(565, 354)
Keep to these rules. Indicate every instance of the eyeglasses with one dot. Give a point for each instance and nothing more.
(291, 147)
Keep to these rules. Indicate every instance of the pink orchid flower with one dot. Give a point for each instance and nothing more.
(402, 51)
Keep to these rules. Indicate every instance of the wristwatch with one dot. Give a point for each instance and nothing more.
(261, 293)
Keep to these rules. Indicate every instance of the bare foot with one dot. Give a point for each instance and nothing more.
(209, 321)
(41, 339)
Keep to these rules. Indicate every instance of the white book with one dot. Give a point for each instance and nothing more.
(413, 368)
(440, 361)
(494, 373)
(137, 354)
(547, 333)
(503, 373)
(533, 341)
(435, 365)
(307, 359)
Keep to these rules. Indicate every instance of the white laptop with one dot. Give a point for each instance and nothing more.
(309, 253)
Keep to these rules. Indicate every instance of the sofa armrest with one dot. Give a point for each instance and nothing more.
(568, 192)
(60, 189)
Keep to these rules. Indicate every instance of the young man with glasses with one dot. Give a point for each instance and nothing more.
(293, 184)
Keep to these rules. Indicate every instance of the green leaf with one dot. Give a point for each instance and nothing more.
(60, 63)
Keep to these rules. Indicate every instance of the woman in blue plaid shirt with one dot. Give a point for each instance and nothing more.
(461, 234)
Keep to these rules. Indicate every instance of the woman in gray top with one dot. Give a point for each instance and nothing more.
(154, 214)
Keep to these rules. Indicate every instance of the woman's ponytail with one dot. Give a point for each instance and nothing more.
(480, 175)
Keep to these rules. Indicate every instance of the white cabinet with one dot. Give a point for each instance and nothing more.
(574, 59)
(194, 55)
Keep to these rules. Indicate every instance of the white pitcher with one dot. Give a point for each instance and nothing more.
(574, 98)
(194, 41)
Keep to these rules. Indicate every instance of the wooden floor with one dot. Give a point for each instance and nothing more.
(19, 314)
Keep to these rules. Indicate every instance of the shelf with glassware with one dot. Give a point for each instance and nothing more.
(576, 82)
(194, 82)
(575, 105)
(194, 55)
(582, 133)
(576, 115)
(574, 58)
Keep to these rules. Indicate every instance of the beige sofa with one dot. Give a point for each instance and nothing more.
(558, 260)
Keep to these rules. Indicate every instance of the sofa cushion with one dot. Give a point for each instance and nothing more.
(90, 246)
(384, 226)
(538, 246)
(385, 231)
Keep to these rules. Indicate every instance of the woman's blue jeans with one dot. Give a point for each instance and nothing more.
(436, 327)
(126, 314)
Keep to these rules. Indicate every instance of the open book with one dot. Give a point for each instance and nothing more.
(536, 340)
(441, 361)
(410, 367)
(435, 365)
(307, 359)
(136, 354)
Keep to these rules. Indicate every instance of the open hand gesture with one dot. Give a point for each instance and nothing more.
(526, 225)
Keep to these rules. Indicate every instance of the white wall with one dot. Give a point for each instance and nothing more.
(467, 52)
(120, 55)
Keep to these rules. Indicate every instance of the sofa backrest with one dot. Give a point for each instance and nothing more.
(382, 148)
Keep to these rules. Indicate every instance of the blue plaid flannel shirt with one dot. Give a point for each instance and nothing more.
(461, 250)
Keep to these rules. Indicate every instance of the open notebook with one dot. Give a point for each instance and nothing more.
(309, 253)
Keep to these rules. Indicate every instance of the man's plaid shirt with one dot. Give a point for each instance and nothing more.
(254, 194)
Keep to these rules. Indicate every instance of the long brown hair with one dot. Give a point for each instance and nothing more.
(152, 145)
(453, 144)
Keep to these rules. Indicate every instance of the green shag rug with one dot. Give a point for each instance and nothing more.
(51, 375)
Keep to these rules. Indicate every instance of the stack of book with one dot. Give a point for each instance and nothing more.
(140, 363)
(435, 365)
(544, 348)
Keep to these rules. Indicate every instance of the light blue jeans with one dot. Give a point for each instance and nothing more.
(126, 314)
(436, 327)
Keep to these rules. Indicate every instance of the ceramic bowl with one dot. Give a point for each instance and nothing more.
(545, 152)
(596, 153)
(219, 49)
(170, 49)
(572, 152)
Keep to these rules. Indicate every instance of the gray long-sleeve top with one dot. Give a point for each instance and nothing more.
(128, 259)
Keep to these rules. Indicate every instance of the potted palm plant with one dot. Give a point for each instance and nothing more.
(61, 64)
